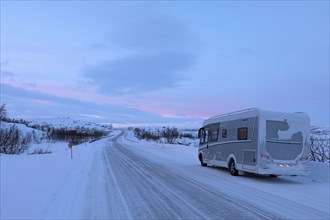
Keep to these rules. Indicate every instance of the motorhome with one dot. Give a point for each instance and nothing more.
(256, 141)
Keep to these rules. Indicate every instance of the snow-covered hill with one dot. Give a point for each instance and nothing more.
(38, 136)
(66, 122)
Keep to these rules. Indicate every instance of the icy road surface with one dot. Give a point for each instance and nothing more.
(133, 180)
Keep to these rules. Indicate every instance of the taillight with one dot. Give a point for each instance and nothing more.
(264, 157)
(303, 158)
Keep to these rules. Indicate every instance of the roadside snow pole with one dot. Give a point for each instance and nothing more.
(70, 146)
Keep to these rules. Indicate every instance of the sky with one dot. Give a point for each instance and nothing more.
(164, 63)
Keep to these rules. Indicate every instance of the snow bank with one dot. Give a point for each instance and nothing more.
(23, 128)
(46, 186)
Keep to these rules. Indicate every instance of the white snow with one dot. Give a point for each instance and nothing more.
(46, 186)
(53, 186)
(22, 127)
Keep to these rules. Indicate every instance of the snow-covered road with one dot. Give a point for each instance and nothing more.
(142, 180)
(135, 187)
(120, 177)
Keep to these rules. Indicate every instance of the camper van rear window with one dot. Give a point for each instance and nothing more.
(242, 133)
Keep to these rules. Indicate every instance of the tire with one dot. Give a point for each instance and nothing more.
(232, 168)
(201, 160)
(272, 175)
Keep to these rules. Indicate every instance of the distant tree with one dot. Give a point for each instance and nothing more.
(138, 133)
(3, 111)
(187, 135)
(76, 135)
(168, 134)
(320, 148)
(171, 134)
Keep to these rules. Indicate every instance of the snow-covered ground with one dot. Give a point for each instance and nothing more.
(23, 128)
(53, 186)
(46, 186)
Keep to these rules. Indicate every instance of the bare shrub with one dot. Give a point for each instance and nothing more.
(169, 134)
(12, 140)
(76, 135)
(41, 151)
(320, 145)
(145, 134)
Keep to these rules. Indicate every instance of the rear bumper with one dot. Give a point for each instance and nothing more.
(287, 169)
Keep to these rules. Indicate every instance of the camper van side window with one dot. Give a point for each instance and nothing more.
(201, 136)
(224, 133)
(242, 133)
(214, 132)
(206, 137)
(214, 136)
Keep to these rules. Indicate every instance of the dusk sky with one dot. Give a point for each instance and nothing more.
(164, 63)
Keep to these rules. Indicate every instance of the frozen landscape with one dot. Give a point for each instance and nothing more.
(102, 103)
(122, 177)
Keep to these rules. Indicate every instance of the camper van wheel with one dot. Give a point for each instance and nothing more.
(201, 160)
(232, 168)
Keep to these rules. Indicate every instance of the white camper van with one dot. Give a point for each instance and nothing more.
(256, 141)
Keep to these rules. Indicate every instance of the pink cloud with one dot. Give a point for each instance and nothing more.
(43, 102)
(166, 105)
(181, 106)
(82, 94)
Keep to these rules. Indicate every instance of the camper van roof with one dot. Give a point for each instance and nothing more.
(236, 112)
(251, 112)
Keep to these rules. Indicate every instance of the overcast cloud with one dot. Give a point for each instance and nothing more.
(161, 53)
(139, 73)
(152, 61)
